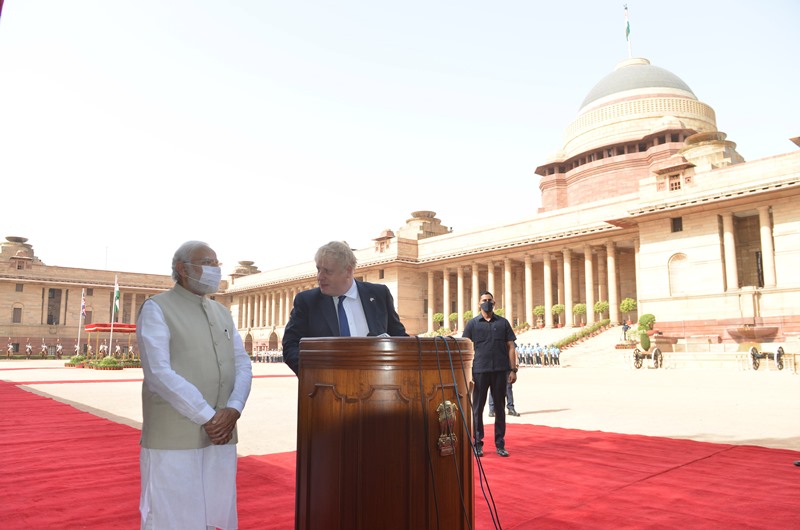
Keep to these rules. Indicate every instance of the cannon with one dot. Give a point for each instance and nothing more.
(756, 357)
(653, 353)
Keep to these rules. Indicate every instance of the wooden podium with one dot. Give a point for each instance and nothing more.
(382, 434)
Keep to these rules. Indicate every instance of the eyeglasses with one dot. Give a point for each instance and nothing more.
(207, 262)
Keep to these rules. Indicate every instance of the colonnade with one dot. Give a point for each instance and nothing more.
(534, 278)
(604, 270)
(270, 309)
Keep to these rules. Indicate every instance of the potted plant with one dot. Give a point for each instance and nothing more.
(438, 318)
(627, 306)
(557, 309)
(601, 308)
(500, 312)
(539, 312)
(468, 315)
(453, 318)
(579, 310)
(646, 323)
(76, 361)
(107, 363)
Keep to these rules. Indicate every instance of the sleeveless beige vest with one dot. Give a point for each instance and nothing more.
(202, 352)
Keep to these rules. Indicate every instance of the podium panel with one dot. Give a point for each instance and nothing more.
(382, 434)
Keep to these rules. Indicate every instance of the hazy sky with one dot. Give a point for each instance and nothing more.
(268, 128)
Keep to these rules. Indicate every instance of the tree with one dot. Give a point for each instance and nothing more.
(557, 309)
(646, 321)
(468, 315)
(601, 308)
(500, 312)
(578, 310)
(453, 317)
(539, 312)
(438, 318)
(628, 306)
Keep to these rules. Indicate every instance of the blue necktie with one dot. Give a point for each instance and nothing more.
(344, 327)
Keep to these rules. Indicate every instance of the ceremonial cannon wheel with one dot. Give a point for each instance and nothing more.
(653, 353)
(777, 356)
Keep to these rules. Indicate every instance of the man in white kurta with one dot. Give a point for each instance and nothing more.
(197, 378)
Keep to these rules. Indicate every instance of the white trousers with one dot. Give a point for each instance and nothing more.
(190, 489)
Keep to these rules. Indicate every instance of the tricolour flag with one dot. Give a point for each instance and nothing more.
(116, 295)
(628, 32)
(83, 303)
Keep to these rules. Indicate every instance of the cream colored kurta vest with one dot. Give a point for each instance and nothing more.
(201, 351)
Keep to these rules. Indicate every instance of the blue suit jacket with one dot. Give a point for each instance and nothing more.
(314, 315)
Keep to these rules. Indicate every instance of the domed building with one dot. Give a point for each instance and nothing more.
(634, 119)
(646, 200)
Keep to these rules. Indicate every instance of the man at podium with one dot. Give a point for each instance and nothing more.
(340, 306)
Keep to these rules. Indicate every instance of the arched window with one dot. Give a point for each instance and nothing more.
(678, 273)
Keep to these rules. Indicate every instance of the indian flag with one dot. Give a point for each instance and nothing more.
(116, 295)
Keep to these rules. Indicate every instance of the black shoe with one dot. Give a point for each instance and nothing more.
(797, 463)
(491, 413)
(502, 452)
(512, 412)
(479, 451)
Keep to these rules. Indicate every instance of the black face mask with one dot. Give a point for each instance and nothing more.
(487, 306)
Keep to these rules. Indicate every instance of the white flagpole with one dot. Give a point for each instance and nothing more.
(80, 318)
(628, 32)
(113, 315)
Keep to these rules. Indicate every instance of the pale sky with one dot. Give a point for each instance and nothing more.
(268, 128)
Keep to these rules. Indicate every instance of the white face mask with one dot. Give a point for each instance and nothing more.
(209, 280)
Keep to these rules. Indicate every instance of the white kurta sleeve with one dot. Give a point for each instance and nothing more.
(153, 336)
(244, 375)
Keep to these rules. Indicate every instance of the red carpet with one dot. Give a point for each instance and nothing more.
(63, 468)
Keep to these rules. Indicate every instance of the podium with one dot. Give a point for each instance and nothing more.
(382, 434)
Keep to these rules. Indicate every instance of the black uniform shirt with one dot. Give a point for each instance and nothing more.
(490, 341)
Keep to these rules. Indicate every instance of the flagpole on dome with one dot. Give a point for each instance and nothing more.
(114, 311)
(81, 317)
(628, 32)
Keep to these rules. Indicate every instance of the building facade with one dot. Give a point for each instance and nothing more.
(646, 200)
(42, 303)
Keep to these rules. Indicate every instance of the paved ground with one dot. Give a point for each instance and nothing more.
(593, 390)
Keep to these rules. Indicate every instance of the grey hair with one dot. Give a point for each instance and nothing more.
(337, 251)
(184, 254)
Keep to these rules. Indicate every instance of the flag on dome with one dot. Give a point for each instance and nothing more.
(628, 32)
(627, 24)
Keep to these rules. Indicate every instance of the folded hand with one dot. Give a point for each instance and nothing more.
(220, 427)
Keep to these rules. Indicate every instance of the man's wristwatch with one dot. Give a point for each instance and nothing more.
(514, 370)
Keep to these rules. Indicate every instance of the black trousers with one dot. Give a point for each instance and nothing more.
(494, 382)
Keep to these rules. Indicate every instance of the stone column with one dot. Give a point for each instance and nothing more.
(729, 244)
(588, 272)
(636, 263)
(767, 250)
(273, 320)
(508, 291)
(476, 289)
(460, 297)
(567, 253)
(548, 291)
(281, 307)
(529, 317)
(490, 278)
(602, 277)
(446, 298)
(613, 298)
(431, 299)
